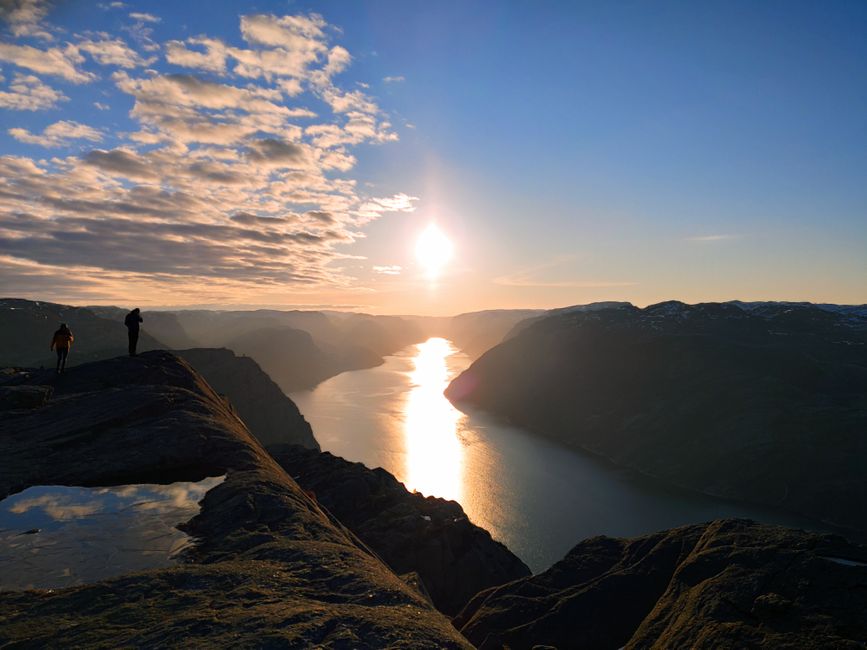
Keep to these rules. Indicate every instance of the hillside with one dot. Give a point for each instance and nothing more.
(726, 584)
(269, 567)
(765, 405)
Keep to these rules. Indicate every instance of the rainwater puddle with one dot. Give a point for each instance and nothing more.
(55, 536)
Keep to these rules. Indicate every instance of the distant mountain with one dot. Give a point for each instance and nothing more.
(477, 332)
(269, 414)
(211, 328)
(163, 325)
(26, 328)
(293, 360)
(383, 335)
(764, 404)
(298, 349)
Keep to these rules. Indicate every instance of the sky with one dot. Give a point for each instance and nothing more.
(290, 154)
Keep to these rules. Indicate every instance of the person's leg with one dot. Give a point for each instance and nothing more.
(59, 353)
(63, 353)
(133, 342)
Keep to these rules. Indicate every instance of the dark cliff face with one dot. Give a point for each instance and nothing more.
(765, 404)
(271, 567)
(432, 537)
(271, 416)
(727, 584)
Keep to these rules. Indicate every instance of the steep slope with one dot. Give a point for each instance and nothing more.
(271, 416)
(728, 584)
(271, 568)
(432, 537)
(26, 328)
(766, 407)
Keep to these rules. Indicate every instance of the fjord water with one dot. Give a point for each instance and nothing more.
(536, 496)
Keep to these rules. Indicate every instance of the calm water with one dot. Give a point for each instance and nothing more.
(536, 496)
(53, 536)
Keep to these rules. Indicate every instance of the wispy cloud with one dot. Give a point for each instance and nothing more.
(394, 80)
(552, 274)
(709, 238)
(144, 17)
(229, 182)
(57, 134)
(387, 270)
(25, 18)
(28, 93)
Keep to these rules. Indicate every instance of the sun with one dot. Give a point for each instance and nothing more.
(433, 250)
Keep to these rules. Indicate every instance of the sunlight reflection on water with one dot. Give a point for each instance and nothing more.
(54, 536)
(535, 495)
(434, 454)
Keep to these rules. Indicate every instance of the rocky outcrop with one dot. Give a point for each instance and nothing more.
(271, 416)
(271, 568)
(764, 404)
(432, 537)
(727, 584)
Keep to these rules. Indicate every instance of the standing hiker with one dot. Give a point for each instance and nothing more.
(62, 341)
(132, 321)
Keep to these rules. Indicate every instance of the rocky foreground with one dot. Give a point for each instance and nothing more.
(432, 537)
(272, 568)
(729, 584)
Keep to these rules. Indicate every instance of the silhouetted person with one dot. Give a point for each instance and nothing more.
(132, 321)
(62, 341)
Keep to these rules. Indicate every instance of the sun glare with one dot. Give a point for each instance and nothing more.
(433, 250)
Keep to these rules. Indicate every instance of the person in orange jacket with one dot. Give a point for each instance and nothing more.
(61, 342)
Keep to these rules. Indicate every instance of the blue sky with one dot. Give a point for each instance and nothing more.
(572, 152)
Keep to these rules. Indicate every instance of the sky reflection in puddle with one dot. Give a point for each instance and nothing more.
(89, 534)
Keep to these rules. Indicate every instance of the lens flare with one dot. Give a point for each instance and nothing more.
(433, 250)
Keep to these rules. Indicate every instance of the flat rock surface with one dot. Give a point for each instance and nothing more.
(432, 537)
(728, 584)
(271, 568)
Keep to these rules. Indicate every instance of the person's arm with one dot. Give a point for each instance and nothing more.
(140, 319)
(53, 339)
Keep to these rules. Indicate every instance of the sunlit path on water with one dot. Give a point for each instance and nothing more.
(536, 496)
(434, 455)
